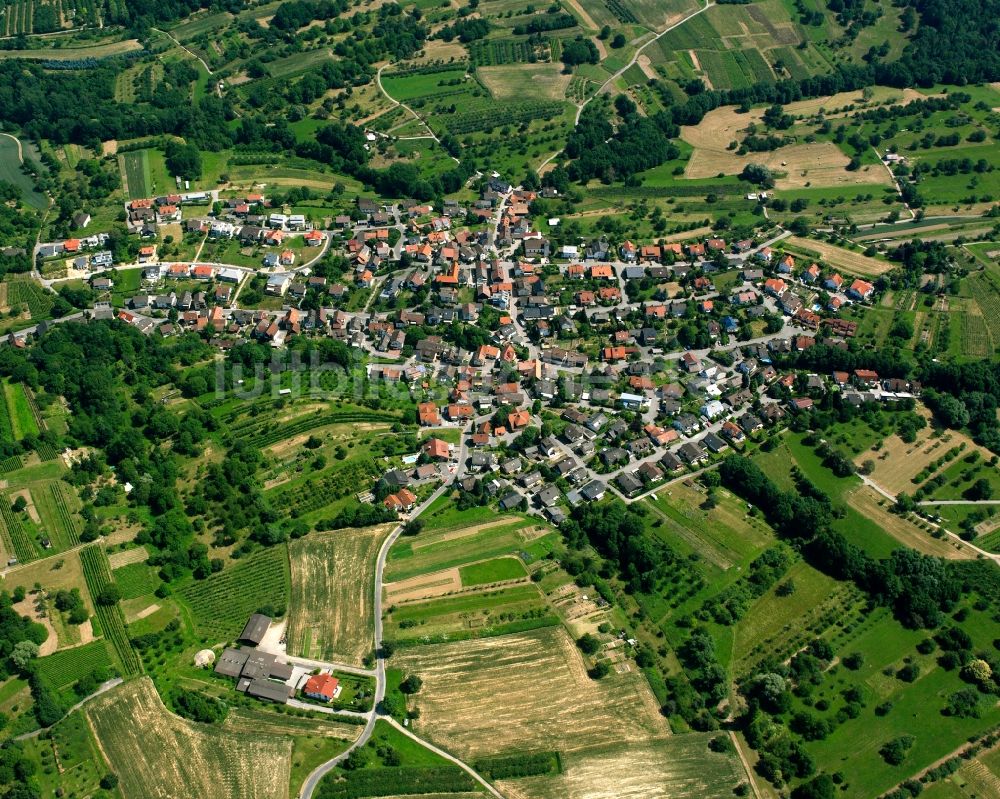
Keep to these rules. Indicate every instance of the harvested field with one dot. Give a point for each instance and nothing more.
(519, 81)
(522, 692)
(842, 259)
(158, 755)
(897, 462)
(832, 104)
(818, 164)
(452, 534)
(331, 616)
(128, 557)
(647, 68)
(426, 586)
(678, 767)
(261, 721)
(75, 53)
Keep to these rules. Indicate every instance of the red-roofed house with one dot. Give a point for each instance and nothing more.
(861, 290)
(775, 286)
(428, 413)
(437, 449)
(323, 687)
(519, 419)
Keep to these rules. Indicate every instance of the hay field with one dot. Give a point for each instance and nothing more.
(331, 616)
(677, 767)
(820, 164)
(897, 462)
(522, 692)
(845, 260)
(836, 103)
(523, 81)
(75, 53)
(158, 755)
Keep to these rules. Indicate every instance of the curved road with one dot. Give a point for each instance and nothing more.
(309, 786)
(638, 52)
(416, 116)
(189, 52)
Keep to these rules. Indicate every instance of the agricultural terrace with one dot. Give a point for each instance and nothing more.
(737, 47)
(445, 548)
(159, 755)
(451, 101)
(524, 691)
(331, 615)
(675, 767)
(221, 604)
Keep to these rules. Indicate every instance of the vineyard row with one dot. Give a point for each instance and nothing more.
(98, 577)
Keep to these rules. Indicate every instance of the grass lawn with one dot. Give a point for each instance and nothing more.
(854, 526)
(492, 571)
(443, 515)
(852, 748)
(21, 416)
(10, 171)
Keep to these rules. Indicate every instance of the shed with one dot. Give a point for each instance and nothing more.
(271, 691)
(255, 629)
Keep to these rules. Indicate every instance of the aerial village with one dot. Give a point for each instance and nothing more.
(632, 363)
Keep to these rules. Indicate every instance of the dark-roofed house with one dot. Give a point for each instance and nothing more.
(692, 453)
(628, 483)
(256, 627)
(258, 665)
(510, 501)
(231, 663)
